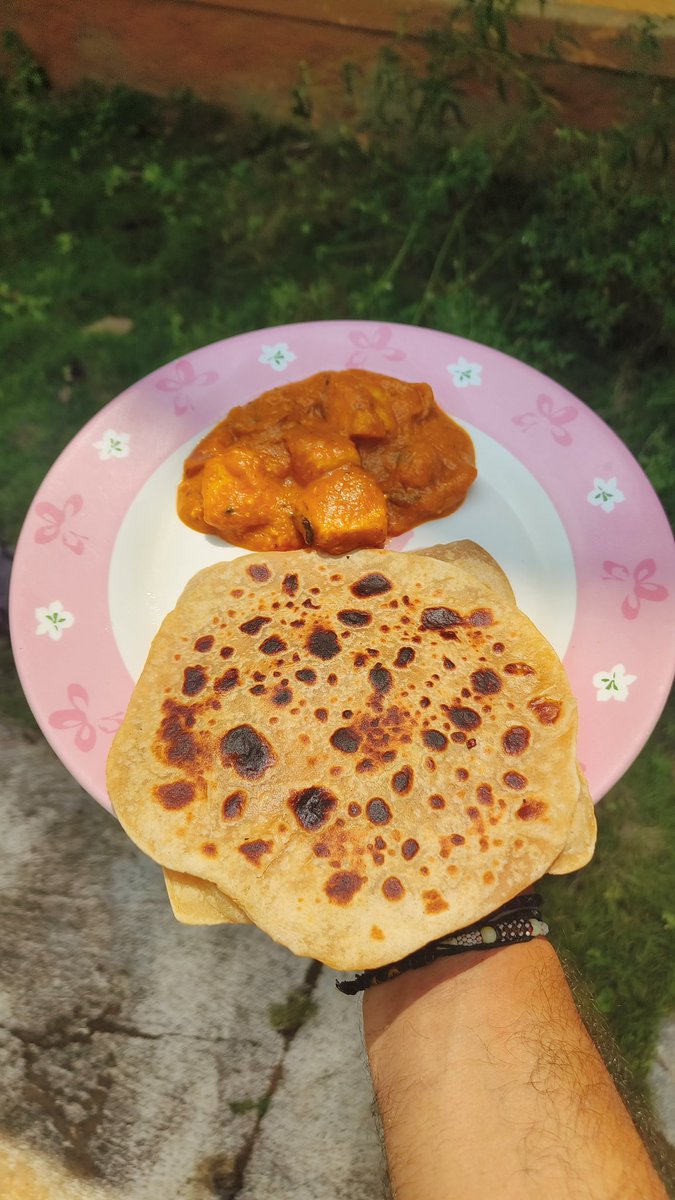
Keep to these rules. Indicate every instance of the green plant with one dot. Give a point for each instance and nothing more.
(292, 1013)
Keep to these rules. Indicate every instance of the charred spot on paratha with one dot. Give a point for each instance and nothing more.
(175, 795)
(290, 584)
(373, 584)
(481, 616)
(342, 886)
(546, 711)
(259, 572)
(393, 889)
(176, 743)
(204, 643)
(486, 682)
(227, 680)
(440, 618)
(323, 643)
(194, 681)
(346, 740)
(233, 806)
(531, 810)
(402, 781)
(273, 645)
(516, 739)
(518, 668)
(434, 740)
(253, 851)
(254, 625)
(405, 655)
(514, 779)
(434, 901)
(463, 718)
(380, 679)
(354, 617)
(312, 807)
(246, 751)
(409, 849)
(378, 811)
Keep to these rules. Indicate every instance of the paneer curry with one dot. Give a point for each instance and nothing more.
(339, 461)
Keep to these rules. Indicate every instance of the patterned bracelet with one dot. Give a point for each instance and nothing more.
(519, 920)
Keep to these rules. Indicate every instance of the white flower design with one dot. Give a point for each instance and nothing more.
(614, 684)
(606, 494)
(113, 445)
(53, 619)
(277, 357)
(465, 374)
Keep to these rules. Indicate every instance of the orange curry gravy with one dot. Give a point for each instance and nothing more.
(339, 461)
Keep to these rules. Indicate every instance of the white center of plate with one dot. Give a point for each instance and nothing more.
(507, 512)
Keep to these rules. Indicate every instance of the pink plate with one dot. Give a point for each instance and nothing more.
(559, 501)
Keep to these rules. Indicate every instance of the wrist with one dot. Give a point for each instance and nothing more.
(433, 992)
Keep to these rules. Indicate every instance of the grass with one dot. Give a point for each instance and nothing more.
(553, 244)
(291, 1014)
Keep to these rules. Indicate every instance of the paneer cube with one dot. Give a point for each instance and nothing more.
(235, 491)
(358, 407)
(345, 509)
(316, 449)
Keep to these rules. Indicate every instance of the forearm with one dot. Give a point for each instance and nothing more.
(489, 1086)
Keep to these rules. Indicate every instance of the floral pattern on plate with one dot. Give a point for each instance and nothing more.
(112, 445)
(555, 418)
(180, 380)
(373, 345)
(465, 374)
(57, 523)
(639, 582)
(605, 494)
(52, 620)
(614, 684)
(77, 717)
(278, 357)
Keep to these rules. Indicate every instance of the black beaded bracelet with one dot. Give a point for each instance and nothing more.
(519, 920)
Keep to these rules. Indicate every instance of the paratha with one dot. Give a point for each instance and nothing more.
(198, 902)
(361, 753)
(185, 890)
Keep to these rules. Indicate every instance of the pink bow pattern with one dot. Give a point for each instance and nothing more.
(557, 419)
(182, 379)
(58, 521)
(77, 718)
(377, 343)
(642, 588)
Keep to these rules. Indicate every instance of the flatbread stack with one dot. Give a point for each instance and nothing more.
(357, 754)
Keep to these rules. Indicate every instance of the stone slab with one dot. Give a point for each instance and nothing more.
(124, 1036)
(318, 1138)
(662, 1080)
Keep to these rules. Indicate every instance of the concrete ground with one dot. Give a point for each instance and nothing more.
(138, 1057)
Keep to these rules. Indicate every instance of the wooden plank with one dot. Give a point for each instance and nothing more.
(231, 57)
(251, 59)
(414, 16)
